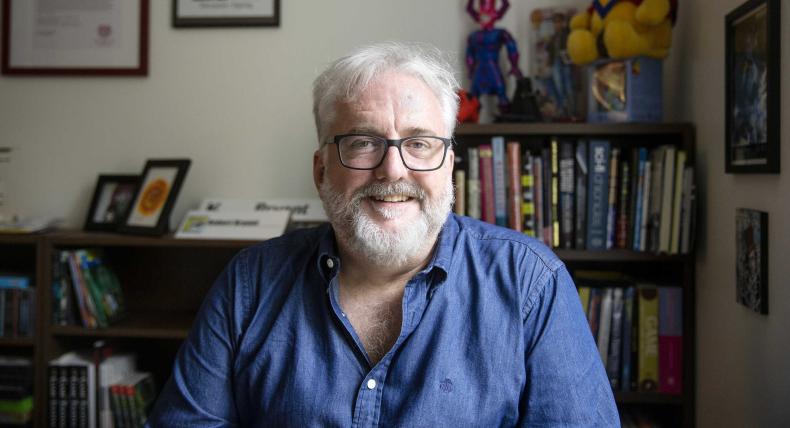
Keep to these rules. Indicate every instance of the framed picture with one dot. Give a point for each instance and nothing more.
(752, 88)
(160, 183)
(226, 13)
(751, 264)
(111, 201)
(75, 38)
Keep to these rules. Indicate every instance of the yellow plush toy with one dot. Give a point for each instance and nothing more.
(628, 27)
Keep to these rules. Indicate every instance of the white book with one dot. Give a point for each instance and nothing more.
(667, 196)
(111, 371)
(674, 246)
(605, 323)
(473, 184)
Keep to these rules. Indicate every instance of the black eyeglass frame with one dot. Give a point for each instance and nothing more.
(448, 142)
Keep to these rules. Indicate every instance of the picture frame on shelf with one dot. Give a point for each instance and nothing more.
(751, 259)
(111, 201)
(752, 99)
(86, 38)
(226, 13)
(160, 184)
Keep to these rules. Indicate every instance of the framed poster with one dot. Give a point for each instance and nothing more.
(111, 201)
(752, 88)
(160, 183)
(226, 13)
(751, 260)
(44, 37)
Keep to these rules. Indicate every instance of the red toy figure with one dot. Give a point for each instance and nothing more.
(482, 52)
(469, 110)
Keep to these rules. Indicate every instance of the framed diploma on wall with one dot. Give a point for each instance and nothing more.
(226, 13)
(75, 37)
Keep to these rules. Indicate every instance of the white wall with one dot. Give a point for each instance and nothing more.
(743, 358)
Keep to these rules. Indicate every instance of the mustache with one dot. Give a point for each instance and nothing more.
(378, 189)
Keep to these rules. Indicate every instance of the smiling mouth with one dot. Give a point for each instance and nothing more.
(391, 198)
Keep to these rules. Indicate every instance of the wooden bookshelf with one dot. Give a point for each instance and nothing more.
(676, 410)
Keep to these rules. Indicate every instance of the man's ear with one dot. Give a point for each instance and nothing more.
(318, 169)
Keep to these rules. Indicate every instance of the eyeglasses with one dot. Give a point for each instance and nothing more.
(420, 153)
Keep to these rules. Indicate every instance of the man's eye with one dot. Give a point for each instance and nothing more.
(361, 143)
(417, 145)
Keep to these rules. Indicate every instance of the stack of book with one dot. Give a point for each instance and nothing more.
(583, 194)
(16, 391)
(85, 290)
(87, 390)
(17, 306)
(638, 328)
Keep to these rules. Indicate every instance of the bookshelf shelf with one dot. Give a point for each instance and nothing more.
(22, 342)
(94, 239)
(144, 326)
(675, 270)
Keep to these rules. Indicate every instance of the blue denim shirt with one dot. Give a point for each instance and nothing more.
(493, 334)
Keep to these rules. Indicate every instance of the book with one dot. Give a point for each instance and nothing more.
(680, 167)
(513, 157)
(605, 324)
(654, 208)
(670, 340)
(473, 184)
(667, 197)
(528, 195)
(14, 281)
(538, 197)
(567, 183)
(638, 199)
(584, 296)
(594, 314)
(500, 183)
(597, 194)
(615, 339)
(486, 183)
(554, 193)
(460, 192)
(112, 370)
(687, 211)
(629, 334)
(580, 225)
(624, 205)
(648, 337)
(644, 214)
(611, 211)
(76, 389)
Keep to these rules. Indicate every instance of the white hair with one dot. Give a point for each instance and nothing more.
(345, 78)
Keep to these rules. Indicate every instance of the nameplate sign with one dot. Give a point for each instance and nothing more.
(249, 225)
(302, 210)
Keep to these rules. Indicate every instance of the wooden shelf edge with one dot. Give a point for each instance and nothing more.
(78, 238)
(120, 332)
(580, 128)
(618, 255)
(17, 342)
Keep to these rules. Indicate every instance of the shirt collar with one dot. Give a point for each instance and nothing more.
(328, 261)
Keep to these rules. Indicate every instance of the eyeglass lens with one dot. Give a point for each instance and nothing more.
(361, 151)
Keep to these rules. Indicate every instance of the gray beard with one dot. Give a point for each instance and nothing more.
(381, 247)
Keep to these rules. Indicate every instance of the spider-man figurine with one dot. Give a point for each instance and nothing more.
(482, 52)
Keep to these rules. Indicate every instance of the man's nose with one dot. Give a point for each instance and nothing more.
(392, 167)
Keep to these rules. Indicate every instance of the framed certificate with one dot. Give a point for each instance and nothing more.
(75, 38)
(226, 13)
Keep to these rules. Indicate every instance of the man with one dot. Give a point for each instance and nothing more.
(398, 314)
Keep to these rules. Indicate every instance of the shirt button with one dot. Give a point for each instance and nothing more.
(330, 263)
(371, 383)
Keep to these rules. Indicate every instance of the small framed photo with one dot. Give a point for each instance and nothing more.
(111, 201)
(107, 38)
(160, 183)
(752, 99)
(226, 13)
(751, 264)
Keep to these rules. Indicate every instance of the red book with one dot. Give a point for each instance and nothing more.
(487, 183)
(514, 186)
(670, 340)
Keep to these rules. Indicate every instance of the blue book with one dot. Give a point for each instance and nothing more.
(597, 194)
(628, 328)
(640, 190)
(14, 281)
(500, 201)
(581, 196)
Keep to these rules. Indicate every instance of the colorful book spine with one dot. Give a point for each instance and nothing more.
(14, 281)
(528, 195)
(460, 192)
(648, 338)
(611, 210)
(597, 194)
(513, 155)
(654, 208)
(566, 185)
(670, 340)
(605, 324)
(624, 205)
(580, 226)
(473, 184)
(638, 194)
(645, 215)
(487, 183)
(594, 314)
(667, 196)
(584, 296)
(500, 198)
(555, 197)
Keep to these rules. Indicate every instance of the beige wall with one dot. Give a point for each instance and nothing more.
(743, 358)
